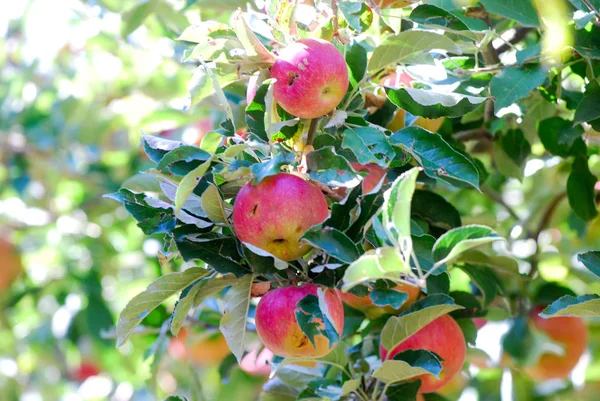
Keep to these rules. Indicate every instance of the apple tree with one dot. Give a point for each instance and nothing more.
(387, 178)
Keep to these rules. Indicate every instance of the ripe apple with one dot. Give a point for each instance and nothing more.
(278, 329)
(376, 173)
(206, 349)
(312, 78)
(276, 212)
(396, 81)
(571, 333)
(372, 311)
(84, 371)
(259, 289)
(442, 336)
(479, 322)
(257, 363)
(10, 264)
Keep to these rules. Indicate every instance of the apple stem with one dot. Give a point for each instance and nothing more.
(312, 131)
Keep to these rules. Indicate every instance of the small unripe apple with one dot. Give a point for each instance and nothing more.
(372, 311)
(312, 78)
(10, 264)
(278, 329)
(571, 333)
(376, 173)
(444, 337)
(274, 214)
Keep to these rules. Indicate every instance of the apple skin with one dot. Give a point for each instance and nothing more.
(278, 329)
(571, 333)
(10, 264)
(372, 311)
(376, 173)
(257, 363)
(276, 212)
(405, 81)
(259, 289)
(207, 349)
(479, 322)
(442, 336)
(84, 371)
(312, 78)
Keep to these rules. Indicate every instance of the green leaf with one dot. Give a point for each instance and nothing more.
(396, 210)
(437, 157)
(356, 58)
(455, 9)
(515, 145)
(431, 104)
(458, 240)
(213, 205)
(560, 137)
(483, 277)
(331, 169)
(518, 341)
(176, 398)
(233, 322)
(183, 306)
(514, 83)
(276, 390)
(183, 153)
(272, 166)
(587, 43)
(201, 84)
(277, 263)
(382, 263)
(587, 109)
(136, 16)
(521, 11)
(581, 306)
(404, 392)
(421, 358)
(421, 313)
(156, 293)
(591, 260)
(396, 371)
(395, 48)
(188, 183)
(219, 252)
(313, 319)
(212, 286)
(333, 242)
(356, 14)
(435, 210)
(528, 53)
(153, 215)
(502, 263)
(388, 296)
(255, 50)
(350, 386)
(580, 189)
(255, 113)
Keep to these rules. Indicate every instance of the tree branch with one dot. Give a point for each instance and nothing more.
(475, 133)
(311, 131)
(496, 197)
(519, 35)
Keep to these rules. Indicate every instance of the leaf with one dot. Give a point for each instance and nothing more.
(581, 306)
(204, 30)
(388, 296)
(356, 14)
(485, 280)
(528, 53)
(211, 287)
(455, 9)
(356, 58)
(591, 260)
(366, 143)
(408, 43)
(515, 145)
(271, 167)
(432, 104)
(176, 398)
(156, 293)
(514, 83)
(421, 313)
(350, 386)
(587, 109)
(278, 263)
(153, 215)
(233, 322)
(183, 306)
(518, 341)
(276, 390)
(193, 204)
(331, 169)
(201, 84)
(503, 263)
(436, 156)
(219, 252)
(333, 242)
(521, 11)
(560, 137)
(396, 210)
(188, 183)
(587, 43)
(183, 153)
(421, 358)
(136, 16)
(458, 240)
(396, 371)
(314, 321)
(404, 392)
(255, 50)
(580, 189)
(382, 263)
(434, 209)
(213, 205)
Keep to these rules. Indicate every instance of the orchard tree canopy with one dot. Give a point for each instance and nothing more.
(300, 200)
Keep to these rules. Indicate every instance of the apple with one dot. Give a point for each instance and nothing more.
(372, 311)
(257, 363)
(569, 332)
(312, 78)
(278, 329)
(10, 264)
(259, 289)
(274, 214)
(376, 173)
(206, 349)
(403, 80)
(393, 3)
(479, 322)
(84, 371)
(442, 336)
(252, 88)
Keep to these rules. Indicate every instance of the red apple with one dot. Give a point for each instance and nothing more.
(84, 371)
(372, 311)
(569, 332)
(479, 322)
(278, 329)
(10, 264)
(252, 88)
(259, 289)
(257, 363)
(442, 336)
(202, 349)
(275, 213)
(312, 78)
(376, 173)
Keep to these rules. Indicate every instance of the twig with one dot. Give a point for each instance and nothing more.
(547, 216)
(475, 133)
(496, 197)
